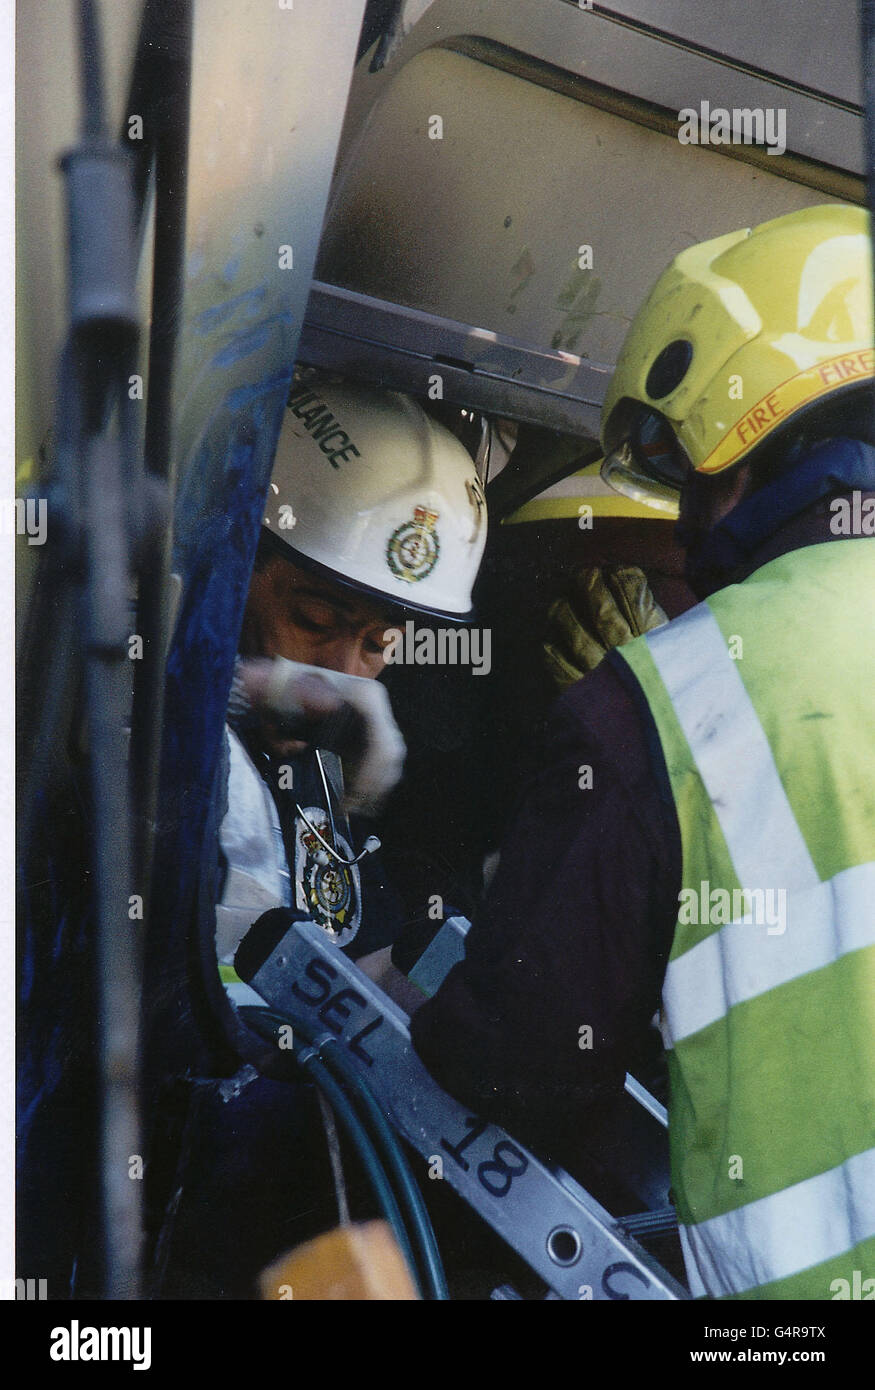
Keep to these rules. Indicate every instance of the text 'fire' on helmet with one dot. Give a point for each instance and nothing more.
(739, 336)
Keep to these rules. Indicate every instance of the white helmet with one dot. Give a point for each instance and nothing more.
(371, 491)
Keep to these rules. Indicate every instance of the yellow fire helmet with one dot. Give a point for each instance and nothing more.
(738, 336)
(370, 491)
(581, 495)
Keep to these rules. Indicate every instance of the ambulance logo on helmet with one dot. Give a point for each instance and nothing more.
(414, 547)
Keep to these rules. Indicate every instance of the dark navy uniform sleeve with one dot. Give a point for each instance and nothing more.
(564, 965)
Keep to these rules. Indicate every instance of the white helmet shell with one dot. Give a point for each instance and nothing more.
(370, 489)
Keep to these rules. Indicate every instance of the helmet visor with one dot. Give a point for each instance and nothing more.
(648, 464)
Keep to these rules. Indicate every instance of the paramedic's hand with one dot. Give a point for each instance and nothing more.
(608, 605)
(379, 968)
(348, 714)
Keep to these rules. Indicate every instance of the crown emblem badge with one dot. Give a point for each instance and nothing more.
(413, 548)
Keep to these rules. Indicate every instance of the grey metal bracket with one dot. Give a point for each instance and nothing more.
(402, 348)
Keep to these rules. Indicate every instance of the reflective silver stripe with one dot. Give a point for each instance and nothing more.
(778, 1236)
(731, 753)
(741, 960)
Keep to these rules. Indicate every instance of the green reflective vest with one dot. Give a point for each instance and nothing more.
(764, 703)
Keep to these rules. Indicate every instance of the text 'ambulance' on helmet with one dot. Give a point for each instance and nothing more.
(371, 491)
(739, 335)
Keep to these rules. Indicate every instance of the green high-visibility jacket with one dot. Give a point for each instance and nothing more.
(764, 703)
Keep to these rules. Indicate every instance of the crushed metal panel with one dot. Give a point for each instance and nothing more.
(628, 61)
(489, 221)
(820, 48)
(268, 92)
(402, 348)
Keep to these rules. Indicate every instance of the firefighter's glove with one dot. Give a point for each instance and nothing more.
(607, 606)
(350, 715)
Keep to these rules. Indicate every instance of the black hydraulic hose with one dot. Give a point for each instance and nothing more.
(161, 87)
(91, 71)
(411, 1197)
(104, 331)
(118, 938)
(429, 1263)
(265, 1022)
(309, 1060)
(42, 711)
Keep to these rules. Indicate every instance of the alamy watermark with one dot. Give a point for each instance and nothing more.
(77, 1343)
(442, 646)
(856, 1288)
(707, 906)
(29, 1289)
(24, 516)
(852, 516)
(718, 125)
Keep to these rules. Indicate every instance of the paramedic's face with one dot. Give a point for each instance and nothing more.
(293, 613)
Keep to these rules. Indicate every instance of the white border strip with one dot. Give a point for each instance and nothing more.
(7, 657)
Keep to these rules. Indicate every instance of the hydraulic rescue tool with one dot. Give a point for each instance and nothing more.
(566, 1237)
